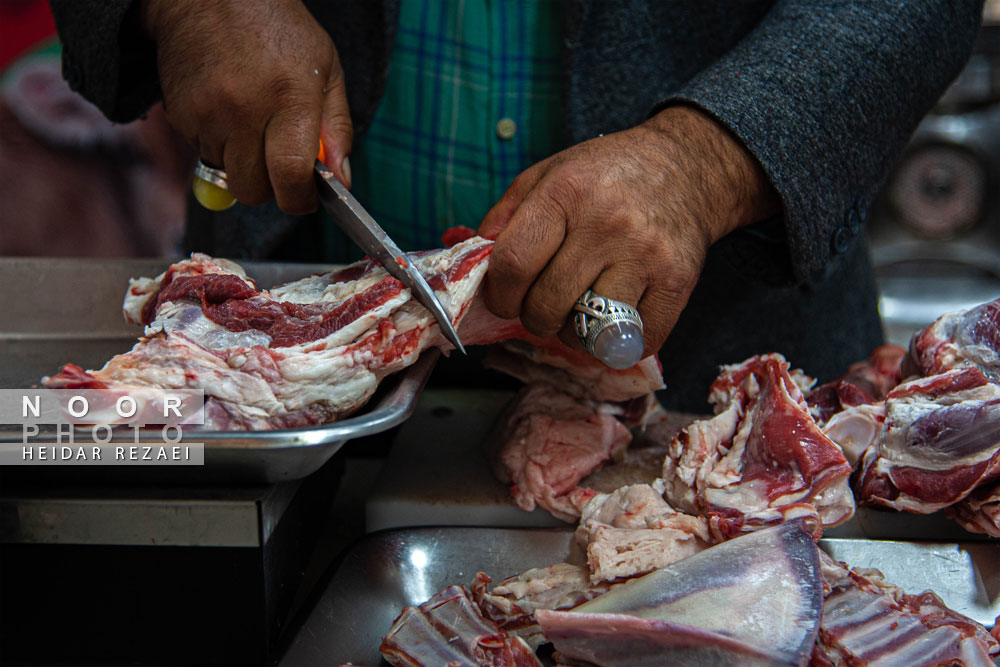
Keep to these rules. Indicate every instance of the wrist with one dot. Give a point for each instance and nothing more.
(733, 190)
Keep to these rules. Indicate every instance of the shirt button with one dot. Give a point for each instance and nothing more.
(841, 240)
(506, 128)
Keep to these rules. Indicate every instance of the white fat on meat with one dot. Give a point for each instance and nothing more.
(868, 621)
(250, 382)
(961, 339)
(512, 603)
(762, 459)
(548, 442)
(941, 441)
(979, 512)
(140, 290)
(856, 428)
(633, 531)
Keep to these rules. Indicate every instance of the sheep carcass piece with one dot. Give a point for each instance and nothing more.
(868, 621)
(449, 629)
(752, 601)
(311, 351)
(959, 340)
(941, 441)
(979, 512)
(762, 459)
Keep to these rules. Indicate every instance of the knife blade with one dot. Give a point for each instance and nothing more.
(361, 228)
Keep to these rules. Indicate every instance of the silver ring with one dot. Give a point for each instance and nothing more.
(595, 313)
(217, 177)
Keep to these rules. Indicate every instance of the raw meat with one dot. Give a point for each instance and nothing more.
(633, 531)
(941, 441)
(762, 459)
(313, 350)
(980, 511)
(865, 382)
(513, 602)
(959, 340)
(450, 630)
(867, 621)
(531, 359)
(754, 600)
(548, 441)
(300, 354)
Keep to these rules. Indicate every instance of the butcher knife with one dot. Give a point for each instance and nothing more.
(351, 217)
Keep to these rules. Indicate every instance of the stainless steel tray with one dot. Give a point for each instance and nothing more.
(372, 582)
(69, 310)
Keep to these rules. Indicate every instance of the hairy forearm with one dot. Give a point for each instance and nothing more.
(729, 184)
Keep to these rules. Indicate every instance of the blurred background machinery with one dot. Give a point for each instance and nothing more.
(935, 228)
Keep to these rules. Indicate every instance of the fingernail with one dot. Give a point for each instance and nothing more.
(345, 168)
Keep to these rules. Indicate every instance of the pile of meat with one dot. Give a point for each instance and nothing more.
(920, 432)
(714, 562)
(314, 350)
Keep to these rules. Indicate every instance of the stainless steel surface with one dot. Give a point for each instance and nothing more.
(59, 311)
(909, 302)
(966, 575)
(386, 571)
(351, 217)
(144, 515)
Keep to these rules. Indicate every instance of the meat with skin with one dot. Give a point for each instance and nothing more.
(450, 630)
(633, 531)
(762, 459)
(754, 600)
(866, 382)
(941, 441)
(867, 621)
(979, 512)
(960, 340)
(512, 603)
(548, 442)
(313, 350)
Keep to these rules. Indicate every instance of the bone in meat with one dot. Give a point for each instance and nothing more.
(303, 353)
(512, 603)
(762, 459)
(867, 621)
(865, 382)
(632, 531)
(979, 512)
(754, 600)
(449, 629)
(959, 340)
(941, 441)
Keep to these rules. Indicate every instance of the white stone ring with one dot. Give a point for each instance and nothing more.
(609, 329)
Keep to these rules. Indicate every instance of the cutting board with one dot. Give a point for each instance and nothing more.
(437, 473)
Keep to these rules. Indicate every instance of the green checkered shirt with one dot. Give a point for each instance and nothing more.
(473, 97)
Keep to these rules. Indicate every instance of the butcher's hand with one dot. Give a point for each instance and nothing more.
(630, 215)
(253, 85)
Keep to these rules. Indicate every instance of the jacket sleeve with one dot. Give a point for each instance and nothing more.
(106, 57)
(825, 95)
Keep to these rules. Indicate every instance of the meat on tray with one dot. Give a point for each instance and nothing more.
(754, 600)
(762, 459)
(714, 563)
(868, 621)
(449, 629)
(979, 512)
(313, 350)
(941, 440)
(547, 440)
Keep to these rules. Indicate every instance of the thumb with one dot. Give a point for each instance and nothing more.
(336, 128)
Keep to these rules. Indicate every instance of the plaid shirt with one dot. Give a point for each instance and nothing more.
(473, 97)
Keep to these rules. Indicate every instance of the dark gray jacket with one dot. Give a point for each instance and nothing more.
(824, 94)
